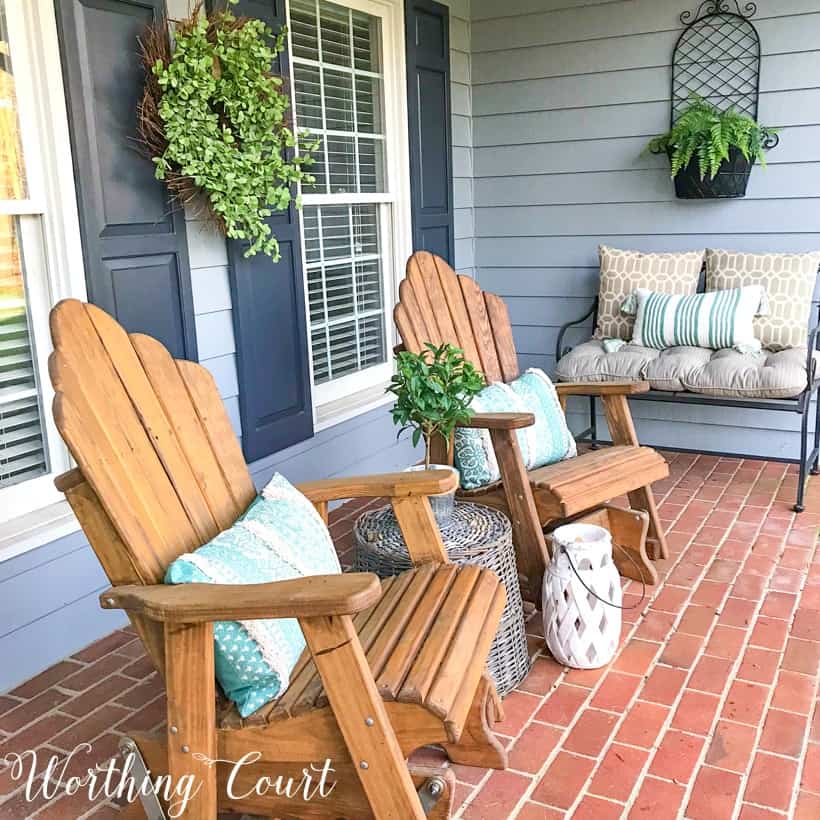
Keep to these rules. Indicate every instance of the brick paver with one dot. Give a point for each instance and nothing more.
(710, 710)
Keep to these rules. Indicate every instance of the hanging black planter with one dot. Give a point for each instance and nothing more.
(716, 61)
(729, 182)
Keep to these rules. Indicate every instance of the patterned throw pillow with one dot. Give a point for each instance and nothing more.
(789, 280)
(545, 442)
(280, 536)
(714, 320)
(623, 272)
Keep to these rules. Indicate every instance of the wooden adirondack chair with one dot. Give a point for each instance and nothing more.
(435, 305)
(389, 667)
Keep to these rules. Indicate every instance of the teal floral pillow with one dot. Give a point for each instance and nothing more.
(547, 441)
(280, 536)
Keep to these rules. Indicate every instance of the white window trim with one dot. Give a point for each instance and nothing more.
(34, 512)
(353, 395)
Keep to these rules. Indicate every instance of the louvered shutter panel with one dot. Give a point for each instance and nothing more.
(134, 239)
(431, 149)
(275, 403)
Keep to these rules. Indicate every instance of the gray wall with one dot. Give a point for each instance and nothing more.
(48, 597)
(462, 109)
(565, 95)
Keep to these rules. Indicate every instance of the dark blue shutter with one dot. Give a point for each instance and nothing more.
(269, 316)
(431, 151)
(134, 244)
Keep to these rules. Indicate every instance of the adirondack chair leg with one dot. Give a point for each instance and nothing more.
(528, 536)
(478, 745)
(362, 718)
(622, 431)
(191, 691)
(154, 750)
(445, 781)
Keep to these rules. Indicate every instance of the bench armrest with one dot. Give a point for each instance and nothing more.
(386, 485)
(601, 388)
(560, 351)
(317, 595)
(499, 421)
(811, 346)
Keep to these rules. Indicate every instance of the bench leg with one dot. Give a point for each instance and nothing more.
(804, 457)
(816, 451)
(478, 745)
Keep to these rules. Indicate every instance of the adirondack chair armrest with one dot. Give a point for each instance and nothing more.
(500, 421)
(317, 595)
(384, 485)
(601, 388)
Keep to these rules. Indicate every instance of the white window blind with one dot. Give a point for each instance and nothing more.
(338, 83)
(22, 435)
(22, 448)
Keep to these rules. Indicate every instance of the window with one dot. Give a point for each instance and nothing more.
(355, 228)
(23, 451)
(39, 244)
(23, 454)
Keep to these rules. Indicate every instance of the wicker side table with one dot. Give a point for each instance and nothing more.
(475, 535)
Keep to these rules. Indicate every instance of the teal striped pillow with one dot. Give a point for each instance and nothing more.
(716, 320)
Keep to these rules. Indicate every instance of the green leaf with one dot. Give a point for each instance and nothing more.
(708, 134)
(224, 119)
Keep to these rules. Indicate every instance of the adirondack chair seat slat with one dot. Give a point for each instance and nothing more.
(563, 490)
(411, 636)
(160, 472)
(614, 476)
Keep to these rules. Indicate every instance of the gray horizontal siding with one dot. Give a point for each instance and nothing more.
(49, 607)
(462, 131)
(798, 180)
(583, 155)
(566, 94)
(613, 120)
(515, 25)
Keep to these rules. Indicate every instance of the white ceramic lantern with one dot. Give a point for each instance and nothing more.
(582, 597)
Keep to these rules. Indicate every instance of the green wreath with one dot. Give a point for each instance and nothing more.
(214, 120)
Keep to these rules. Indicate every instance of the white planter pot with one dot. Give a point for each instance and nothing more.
(580, 629)
(443, 503)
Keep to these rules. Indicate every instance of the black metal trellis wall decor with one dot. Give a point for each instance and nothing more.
(717, 57)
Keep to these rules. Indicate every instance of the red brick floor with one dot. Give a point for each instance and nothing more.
(709, 711)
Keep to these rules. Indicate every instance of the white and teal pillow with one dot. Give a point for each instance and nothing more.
(721, 319)
(547, 441)
(280, 536)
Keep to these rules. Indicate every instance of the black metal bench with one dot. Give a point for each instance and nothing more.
(800, 404)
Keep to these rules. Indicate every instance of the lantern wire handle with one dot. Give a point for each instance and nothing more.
(595, 594)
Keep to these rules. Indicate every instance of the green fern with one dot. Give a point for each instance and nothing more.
(707, 134)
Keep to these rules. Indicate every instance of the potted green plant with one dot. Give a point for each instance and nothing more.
(433, 391)
(712, 151)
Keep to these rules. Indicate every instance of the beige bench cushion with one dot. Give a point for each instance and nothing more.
(625, 271)
(765, 375)
(789, 280)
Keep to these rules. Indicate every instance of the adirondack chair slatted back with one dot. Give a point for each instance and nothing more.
(161, 469)
(436, 305)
